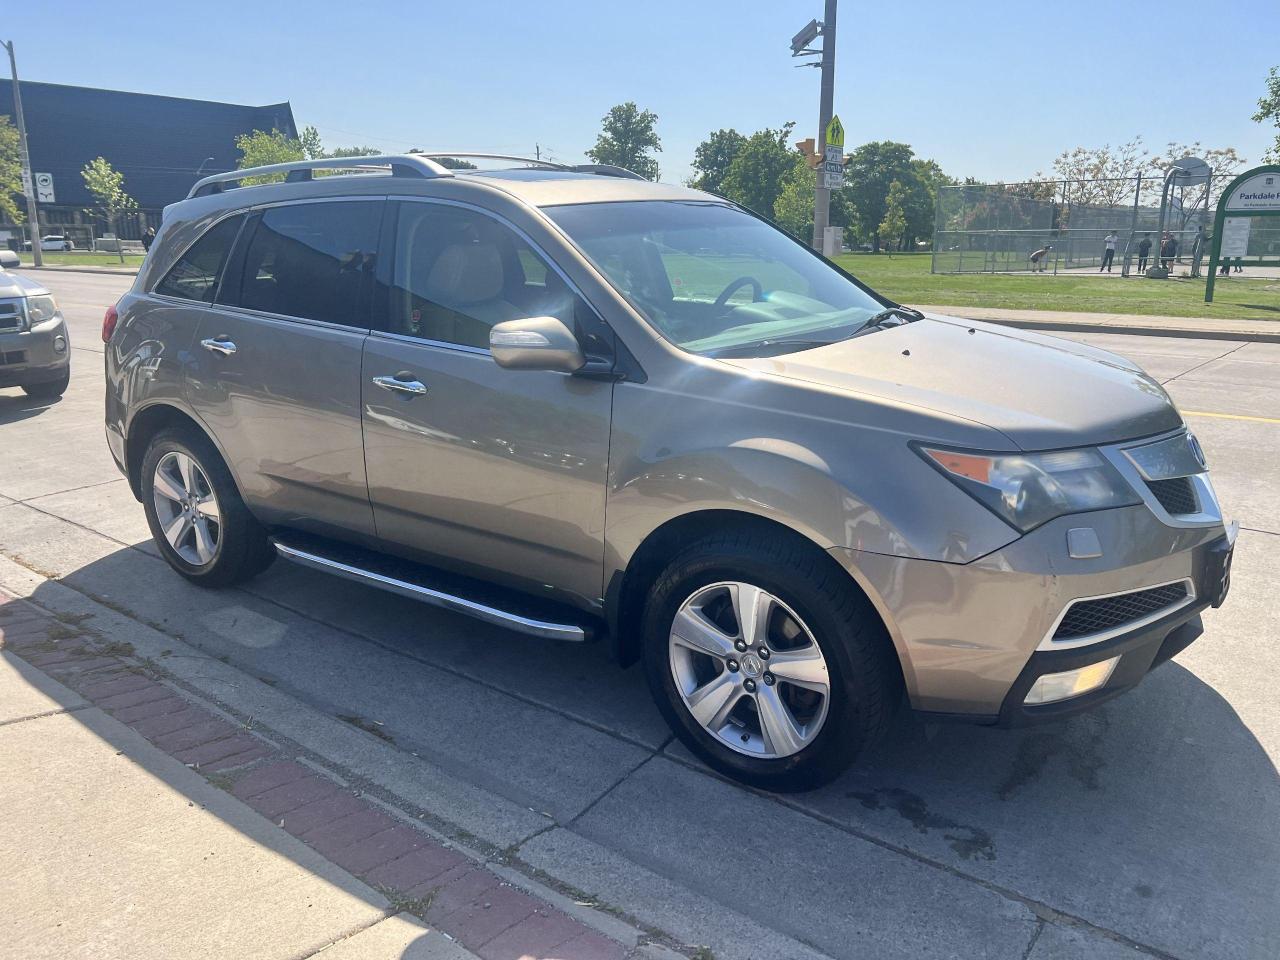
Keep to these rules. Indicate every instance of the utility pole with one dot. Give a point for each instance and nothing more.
(28, 178)
(821, 193)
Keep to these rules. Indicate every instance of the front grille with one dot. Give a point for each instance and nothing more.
(13, 356)
(1086, 617)
(1177, 496)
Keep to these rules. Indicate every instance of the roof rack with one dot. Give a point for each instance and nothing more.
(401, 165)
(419, 165)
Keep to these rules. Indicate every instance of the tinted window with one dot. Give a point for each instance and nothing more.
(458, 272)
(312, 260)
(195, 275)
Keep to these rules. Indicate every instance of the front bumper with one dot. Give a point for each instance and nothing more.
(973, 638)
(32, 356)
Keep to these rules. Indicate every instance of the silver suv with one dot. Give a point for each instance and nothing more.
(586, 406)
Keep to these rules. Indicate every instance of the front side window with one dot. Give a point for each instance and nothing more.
(313, 260)
(711, 278)
(458, 272)
(195, 275)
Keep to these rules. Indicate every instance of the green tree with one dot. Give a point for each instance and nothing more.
(260, 148)
(627, 139)
(10, 172)
(793, 210)
(869, 172)
(106, 185)
(893, 226)
(755, 176)
(311, 146)
(712, 157)
(1269, 109)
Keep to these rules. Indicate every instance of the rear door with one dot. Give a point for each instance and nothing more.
(498, 472)
(276, 366)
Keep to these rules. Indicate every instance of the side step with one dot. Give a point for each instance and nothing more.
(405, 583)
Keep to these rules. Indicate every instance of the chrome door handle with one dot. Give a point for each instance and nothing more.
(219, 345)
(396, 385)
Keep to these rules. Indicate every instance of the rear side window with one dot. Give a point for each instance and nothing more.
(195, 275)
(314, 261)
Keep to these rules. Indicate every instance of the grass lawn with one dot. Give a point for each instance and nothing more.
(83, 259)
(905, 277)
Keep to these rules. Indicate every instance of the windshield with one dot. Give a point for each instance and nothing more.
(711, 278)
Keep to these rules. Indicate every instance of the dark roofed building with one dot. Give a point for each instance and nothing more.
(158, 143)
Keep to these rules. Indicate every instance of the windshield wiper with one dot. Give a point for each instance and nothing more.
(787, 345)
(903, 314)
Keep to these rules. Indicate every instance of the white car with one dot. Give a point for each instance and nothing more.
(52, 242)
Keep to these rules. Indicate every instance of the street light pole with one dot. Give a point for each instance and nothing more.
(28, 178)
(821, 193)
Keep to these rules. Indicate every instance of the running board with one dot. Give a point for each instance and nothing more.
(436, 598)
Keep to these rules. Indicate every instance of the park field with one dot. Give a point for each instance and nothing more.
(906, 278)
(84, 258)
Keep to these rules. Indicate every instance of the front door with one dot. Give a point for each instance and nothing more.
(275, 371)
(491, 471)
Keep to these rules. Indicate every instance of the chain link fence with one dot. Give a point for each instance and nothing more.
(995, 227)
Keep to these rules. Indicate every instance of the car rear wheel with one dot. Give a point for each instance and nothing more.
(767, 661)
(195, 513)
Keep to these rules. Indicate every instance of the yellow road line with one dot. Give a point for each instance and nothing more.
(1230, 416)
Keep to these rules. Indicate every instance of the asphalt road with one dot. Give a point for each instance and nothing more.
(1147, 828)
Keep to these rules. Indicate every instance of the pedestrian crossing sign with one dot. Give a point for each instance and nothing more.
(835, 133)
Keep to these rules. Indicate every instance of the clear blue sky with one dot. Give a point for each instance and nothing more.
(990, 89)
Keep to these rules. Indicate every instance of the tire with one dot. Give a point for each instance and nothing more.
(49, 389)
(234, 547)
(806, 590)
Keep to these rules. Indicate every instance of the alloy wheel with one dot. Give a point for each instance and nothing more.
(187, 508)
(749, 670)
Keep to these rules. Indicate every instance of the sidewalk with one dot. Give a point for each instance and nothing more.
(118, 270)
(139, 823)
(1258, 331)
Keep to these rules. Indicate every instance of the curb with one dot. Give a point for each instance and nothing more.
(472, 902)
(101, 271)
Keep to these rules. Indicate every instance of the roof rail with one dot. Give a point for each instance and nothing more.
(533, 161)
(606, 170)
(401, 165)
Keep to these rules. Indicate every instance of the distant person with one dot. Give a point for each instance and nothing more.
(1038, 257)
(1144, 252)
(1108, 251)
(1239, 264)
(1169, 252)
(148, 238)
(1224, 268)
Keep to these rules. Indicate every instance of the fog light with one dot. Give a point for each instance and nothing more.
(1053, 687)
(59, 344)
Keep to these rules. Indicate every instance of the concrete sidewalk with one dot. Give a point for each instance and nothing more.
(139, 823)
(1048, 321)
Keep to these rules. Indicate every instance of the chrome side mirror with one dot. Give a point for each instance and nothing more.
(536, 343)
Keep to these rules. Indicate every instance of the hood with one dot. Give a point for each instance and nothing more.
(13, 285)
(1041, 392)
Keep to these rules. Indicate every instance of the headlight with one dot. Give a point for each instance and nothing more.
(1029, 489)
(40, 309)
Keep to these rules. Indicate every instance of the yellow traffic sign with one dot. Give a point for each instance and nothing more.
(835, 133)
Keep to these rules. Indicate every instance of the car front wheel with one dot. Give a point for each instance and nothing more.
(767, 661)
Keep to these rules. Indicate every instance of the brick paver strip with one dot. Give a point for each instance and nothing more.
(104, 691)
(416, 868)
(208, 752)
(275, 803)
(534, 936)
(329, 838)
(208, 731)
(312, 815)
(379, 848)
(156, 726)
(490, 914)
(237, 759)
(151, 707)
(133, 698)
(268, 777)
(461, 892)
(468, 901)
